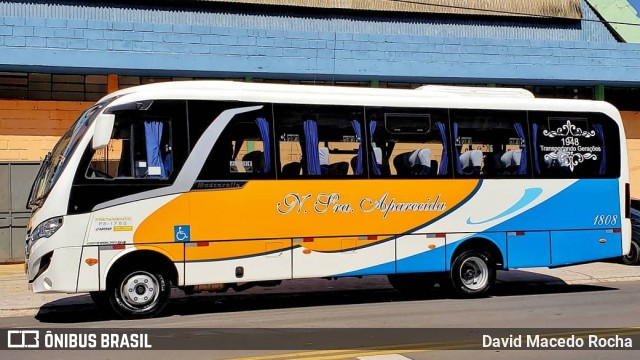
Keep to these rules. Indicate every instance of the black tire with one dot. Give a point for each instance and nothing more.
(473, 273)
(139, 293)
(100, 298)
(417, 284)
(633, 258)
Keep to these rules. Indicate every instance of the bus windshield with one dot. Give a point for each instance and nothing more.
(54, 162)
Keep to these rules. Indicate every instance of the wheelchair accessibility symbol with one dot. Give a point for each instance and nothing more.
(182, 233)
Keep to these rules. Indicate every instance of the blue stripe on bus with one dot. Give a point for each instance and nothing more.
(381, 269)
(431, 260)
(529, 195)
(575, 207)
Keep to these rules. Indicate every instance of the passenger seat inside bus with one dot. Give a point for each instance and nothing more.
(434, 167)
(291, 169)
(323, 155)
(256, 158)
(414, 163)
(493, 165)
(511, 161)
(338, 169)
(471, 162)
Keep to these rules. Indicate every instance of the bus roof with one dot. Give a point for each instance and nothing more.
(424, 96)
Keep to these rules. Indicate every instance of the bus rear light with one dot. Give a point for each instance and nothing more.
(627, 200)
(437, 236)
(614, 231)
(197, 244)
(368, 237)
(118, 247)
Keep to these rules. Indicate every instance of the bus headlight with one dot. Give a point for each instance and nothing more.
(46, 228)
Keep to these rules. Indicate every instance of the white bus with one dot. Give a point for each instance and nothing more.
(212, 185)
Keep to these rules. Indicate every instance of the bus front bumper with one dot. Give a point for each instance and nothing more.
(54, 271)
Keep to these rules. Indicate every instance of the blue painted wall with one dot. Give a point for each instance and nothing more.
(87, 39)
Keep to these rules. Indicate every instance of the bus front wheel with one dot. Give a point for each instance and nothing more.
(473, 273)
(139, 293)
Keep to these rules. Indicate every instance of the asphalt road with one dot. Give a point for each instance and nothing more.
(321, 319)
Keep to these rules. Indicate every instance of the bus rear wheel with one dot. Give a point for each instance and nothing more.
(633, 258)
(139, 293)
(473, 273)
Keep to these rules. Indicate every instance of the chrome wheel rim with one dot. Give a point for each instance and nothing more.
(139, 290)
(474, 273)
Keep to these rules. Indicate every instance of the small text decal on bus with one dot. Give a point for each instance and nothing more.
(330, 203)
(571, 150)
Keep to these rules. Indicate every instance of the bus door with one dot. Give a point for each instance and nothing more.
(232, 237)
(122, 186)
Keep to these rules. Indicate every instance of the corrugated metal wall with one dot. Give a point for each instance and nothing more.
(590, 30)
(15, 183)
(553, 8)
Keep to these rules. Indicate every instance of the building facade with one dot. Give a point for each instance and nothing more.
(57, 57)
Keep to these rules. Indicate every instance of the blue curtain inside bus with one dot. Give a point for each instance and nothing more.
(168, 164)
(457, 151)
(153, 136)
(358, 130)
(522, 170)
(444, 162)
(312, 156)
(373, 162)
(263, 125)
(534, 130)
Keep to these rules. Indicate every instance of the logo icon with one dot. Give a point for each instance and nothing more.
(22, 339)
(182, 233)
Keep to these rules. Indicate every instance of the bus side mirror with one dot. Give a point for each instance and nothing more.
(103, 130)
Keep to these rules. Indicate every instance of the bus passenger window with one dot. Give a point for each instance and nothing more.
(242, 151)
(140, 148)
(408, 143)
(490, 143)
(320, 141)
(575, 145)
